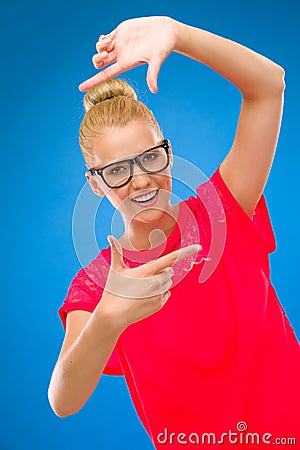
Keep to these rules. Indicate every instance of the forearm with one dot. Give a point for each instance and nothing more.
(253, 74)
(79, 369)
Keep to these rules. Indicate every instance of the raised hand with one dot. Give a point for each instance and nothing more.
(145, 40)
(135, 293)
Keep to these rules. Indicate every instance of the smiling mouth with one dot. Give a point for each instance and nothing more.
(147, 198)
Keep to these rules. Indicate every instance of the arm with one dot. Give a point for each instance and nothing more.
(91, 337)
(89, 341)
(253, 74)
(246, 168)
(150, 40)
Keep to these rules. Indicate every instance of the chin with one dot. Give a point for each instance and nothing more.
(149, 215)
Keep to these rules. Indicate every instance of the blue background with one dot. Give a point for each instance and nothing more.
(46, 50)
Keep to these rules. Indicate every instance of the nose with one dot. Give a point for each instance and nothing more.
(140, 178)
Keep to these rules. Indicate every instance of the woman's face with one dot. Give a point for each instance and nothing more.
(119, 143)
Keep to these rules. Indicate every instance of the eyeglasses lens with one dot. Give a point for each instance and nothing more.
(153, 161)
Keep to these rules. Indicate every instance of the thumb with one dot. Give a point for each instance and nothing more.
(152, 73)
(116, 253)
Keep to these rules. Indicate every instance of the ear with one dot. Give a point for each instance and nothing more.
(171, 156)
(95, 185)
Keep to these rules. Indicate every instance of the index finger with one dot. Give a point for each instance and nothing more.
(173, 257)
(106, 74)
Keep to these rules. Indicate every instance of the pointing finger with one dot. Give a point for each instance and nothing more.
(176, 256)
(100, 77)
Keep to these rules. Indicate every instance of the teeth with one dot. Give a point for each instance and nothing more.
(144, 198)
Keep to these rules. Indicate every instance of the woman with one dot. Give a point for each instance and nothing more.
(218, 361)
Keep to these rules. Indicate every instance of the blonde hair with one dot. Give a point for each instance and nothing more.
(110, 104)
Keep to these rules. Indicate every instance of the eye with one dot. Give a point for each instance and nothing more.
(151, 156)
(117, 170)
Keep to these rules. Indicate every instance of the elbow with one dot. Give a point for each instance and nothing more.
(282, 77)
(279, 78)
(60, 411)
(58, 407)
(272, 85)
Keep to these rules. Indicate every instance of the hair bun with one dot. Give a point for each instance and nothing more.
(105, 91)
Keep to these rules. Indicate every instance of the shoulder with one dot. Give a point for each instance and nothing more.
(96, 271)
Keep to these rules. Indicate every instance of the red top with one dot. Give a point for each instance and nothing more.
(221, 350)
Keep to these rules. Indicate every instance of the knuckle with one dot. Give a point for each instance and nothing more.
(157, 284)
(169, 284)
(174, 257)
(147, 273)
(171, 273)
(164, 299)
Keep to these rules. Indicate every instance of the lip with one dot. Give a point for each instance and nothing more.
(144, 193)
(153, 200)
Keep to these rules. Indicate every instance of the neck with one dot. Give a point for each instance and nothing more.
(143, 235)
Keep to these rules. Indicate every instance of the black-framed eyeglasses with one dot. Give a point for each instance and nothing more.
(153, 160)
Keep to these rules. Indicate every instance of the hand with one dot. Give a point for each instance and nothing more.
(135, 293)
(134, 42)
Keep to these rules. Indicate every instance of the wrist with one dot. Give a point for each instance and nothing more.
(106, 313)
(175, 29)
(180, 32)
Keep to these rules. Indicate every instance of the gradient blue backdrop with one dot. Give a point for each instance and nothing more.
(46, 50)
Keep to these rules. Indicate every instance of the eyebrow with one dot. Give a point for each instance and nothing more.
(116, 162)
(126, 159)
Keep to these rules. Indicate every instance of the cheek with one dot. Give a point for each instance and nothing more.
(166, 182)
(118, 198)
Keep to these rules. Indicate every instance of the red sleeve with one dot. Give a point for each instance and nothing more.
(84, 294)
(260, 222)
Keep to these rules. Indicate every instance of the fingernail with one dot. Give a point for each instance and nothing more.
(196, 247)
